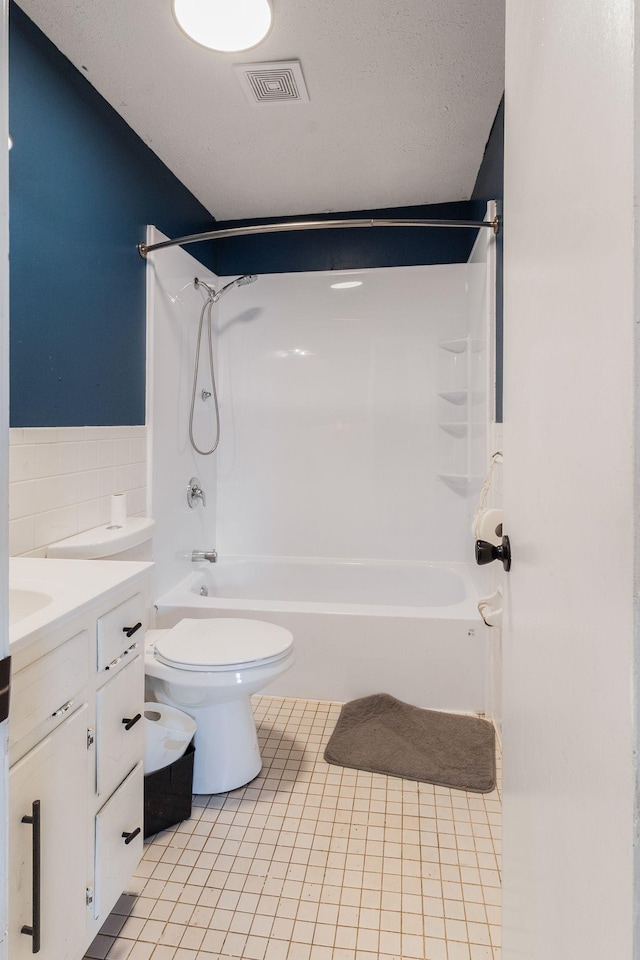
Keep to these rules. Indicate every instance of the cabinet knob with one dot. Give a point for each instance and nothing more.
(130, 722)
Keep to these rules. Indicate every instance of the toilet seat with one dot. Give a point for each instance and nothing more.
(222, 644)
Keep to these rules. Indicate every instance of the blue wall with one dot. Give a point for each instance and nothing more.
(82, 188)
(351, 249)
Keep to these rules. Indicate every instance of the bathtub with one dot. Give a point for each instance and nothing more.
(360, 627)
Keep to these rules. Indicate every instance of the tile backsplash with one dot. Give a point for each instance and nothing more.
(61, 480)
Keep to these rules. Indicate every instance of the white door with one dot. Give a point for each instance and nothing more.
(569, 686)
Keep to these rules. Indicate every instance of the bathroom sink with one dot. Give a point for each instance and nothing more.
(24, 602)
(44, 593)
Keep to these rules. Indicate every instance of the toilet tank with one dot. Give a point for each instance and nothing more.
(130, 541)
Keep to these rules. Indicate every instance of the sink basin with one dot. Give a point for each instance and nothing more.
(23, 602)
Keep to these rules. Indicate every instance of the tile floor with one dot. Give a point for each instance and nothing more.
(316, 862)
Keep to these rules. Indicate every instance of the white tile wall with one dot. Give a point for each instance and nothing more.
(62, 478)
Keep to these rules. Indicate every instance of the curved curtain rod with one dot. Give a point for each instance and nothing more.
(144, 248)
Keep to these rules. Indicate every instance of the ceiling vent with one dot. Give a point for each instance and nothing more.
(278, 82)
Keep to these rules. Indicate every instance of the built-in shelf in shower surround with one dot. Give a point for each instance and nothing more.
(62, 478)
(463, 345)
(463, 384)
(461, 483)
(463, 428)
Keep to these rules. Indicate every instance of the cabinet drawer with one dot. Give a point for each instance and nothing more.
(112, 630)
(119, 745)
(42, 694)
(117, 822)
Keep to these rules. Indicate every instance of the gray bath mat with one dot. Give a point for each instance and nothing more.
(383, 735)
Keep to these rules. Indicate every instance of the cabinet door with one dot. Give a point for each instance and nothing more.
(120, 744)
(55, 774)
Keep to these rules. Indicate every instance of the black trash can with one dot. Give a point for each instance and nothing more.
(167, 794)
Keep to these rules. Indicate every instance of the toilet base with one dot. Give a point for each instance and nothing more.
(227, 754)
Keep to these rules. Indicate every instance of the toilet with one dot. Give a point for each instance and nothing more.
(208, 668)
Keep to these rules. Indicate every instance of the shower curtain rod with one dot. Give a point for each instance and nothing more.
(144, 248)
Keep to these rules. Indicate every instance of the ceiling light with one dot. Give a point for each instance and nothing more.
(225, 25)
(346, 284)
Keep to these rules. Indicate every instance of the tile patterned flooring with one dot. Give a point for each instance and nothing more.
(316, 862)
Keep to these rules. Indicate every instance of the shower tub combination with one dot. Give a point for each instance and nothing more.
(410, 629)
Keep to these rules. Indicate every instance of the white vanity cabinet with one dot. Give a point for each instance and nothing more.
(76, 778)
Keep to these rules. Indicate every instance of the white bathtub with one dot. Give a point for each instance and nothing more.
(360, 627)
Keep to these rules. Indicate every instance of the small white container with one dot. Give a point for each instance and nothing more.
(167, 734)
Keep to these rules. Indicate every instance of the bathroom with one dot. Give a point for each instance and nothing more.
(78, 362)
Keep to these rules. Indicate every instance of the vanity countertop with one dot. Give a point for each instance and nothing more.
(44, 593)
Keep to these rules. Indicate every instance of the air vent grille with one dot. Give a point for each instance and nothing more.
(280, 82)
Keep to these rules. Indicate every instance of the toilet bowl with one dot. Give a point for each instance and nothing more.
(209, 668)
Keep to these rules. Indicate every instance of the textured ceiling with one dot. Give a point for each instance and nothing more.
(402, 97)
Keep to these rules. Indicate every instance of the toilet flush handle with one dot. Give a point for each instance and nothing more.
(487, 552)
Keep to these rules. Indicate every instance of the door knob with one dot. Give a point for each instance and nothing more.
(487, 552)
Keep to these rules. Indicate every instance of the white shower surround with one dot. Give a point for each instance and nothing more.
(173, 307)
(331, 445)
(331, 449)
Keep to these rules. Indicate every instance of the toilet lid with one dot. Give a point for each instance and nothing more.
(221, 643)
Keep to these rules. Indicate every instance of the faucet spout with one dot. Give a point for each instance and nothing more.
(198, 556)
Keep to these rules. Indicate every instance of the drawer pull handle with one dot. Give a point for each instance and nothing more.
(131, 630)
(113, 663)
(130, 722)
(34, 930)
(128, 837)
(63, 709)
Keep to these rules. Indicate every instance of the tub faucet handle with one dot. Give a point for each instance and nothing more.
(195, 492)
(197, 556)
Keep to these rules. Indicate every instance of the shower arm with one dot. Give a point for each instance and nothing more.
(145, 248)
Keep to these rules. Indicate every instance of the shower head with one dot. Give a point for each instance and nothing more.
(238, 282)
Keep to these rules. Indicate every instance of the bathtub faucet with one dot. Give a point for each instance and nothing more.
(197, 556)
